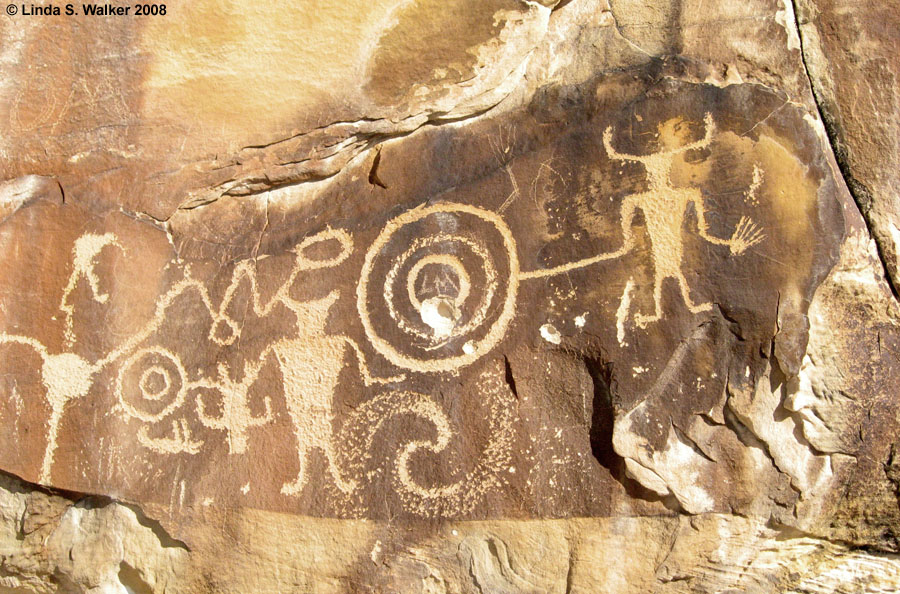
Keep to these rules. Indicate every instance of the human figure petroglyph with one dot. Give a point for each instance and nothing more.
(65, 376)
(84, 259)
(664, 207)
(236, 417)
(310, 365)
(444, 274)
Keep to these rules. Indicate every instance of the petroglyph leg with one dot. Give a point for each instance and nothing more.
(664, 207)
(310, 368)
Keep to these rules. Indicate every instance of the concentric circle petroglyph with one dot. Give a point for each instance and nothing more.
(151, 384)
(473, 252)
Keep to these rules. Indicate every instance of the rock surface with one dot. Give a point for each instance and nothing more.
(505, 296)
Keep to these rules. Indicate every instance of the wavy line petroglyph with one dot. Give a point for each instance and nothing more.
(436, 292)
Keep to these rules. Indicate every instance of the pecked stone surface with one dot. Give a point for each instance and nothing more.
(563, 294)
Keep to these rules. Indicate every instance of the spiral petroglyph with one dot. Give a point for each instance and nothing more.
(448, 298)
(445, 499)
(419, 362)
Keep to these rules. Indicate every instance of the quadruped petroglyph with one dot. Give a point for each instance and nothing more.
(435, 291)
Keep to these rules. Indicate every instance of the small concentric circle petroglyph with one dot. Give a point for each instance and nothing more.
(151, 384)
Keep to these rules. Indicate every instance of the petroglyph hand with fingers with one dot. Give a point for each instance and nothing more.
(746, 235)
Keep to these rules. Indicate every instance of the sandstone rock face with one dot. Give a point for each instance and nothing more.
(505, 296)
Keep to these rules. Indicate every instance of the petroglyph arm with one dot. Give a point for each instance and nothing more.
(746, 233)
(628, 207)
(24, 340)
(613, 153)
(181, 440)
(368, 378)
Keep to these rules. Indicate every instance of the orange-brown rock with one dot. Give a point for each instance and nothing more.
(506, 296)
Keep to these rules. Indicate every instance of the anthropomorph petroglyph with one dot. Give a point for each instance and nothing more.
(437, 291)
(664, 207)
(236, 417)
(65, 376)
(84, 255)
(310, 364)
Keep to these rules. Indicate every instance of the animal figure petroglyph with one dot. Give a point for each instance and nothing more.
(429, 269)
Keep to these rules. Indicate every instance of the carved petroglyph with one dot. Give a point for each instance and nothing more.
(181, 440)
(65, 376)
(664, 207)
(236, 418)
(442, 324)
(151, 384)
(437, 291)
(247, 269)
(310, 366)
(84, 255)
(461, 495)
(502, 145)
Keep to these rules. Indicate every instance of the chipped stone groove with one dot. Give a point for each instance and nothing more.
(859, 193)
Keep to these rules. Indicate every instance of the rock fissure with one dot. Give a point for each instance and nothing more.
(861, 195)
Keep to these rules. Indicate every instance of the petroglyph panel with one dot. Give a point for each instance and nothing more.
(527, 318)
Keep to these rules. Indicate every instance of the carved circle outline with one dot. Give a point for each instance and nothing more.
(177, 401)
(497, 331)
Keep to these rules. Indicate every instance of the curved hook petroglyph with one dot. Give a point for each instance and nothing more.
(446, 278)
(460, 496)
